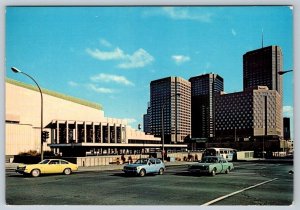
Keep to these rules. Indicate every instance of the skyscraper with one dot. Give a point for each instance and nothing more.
(203, 90)
(147, 120)
(286, 128)
(261, 67)
(172, 95)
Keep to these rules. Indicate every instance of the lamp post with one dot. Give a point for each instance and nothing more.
(15, 70)
(283, 72)
(162, 125)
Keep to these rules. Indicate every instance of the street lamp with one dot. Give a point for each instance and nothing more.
(283, 72)
(15, 70)
(162, 125)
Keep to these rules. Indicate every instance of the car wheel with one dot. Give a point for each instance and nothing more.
(213, 172)
(67, 171)
(227, 171)
(142, 172)
(35, 172)
(161, 171)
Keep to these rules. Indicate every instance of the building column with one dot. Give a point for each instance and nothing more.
(93, 126)
(67, 132)
(76, 133)
(121, 136)
(57, 132)
(108, 133)
(125, 137)
(84, 131)
(52, 133)
(101, 134)
(115, 133)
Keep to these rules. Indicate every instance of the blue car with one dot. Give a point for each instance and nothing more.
(145, 166)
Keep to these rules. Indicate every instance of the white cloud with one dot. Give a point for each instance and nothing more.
(72, 84)
(185, 14)
(116, 54)
(138, 59)
(233, 32)
(105, 43)
(179, 59)
(288, 111)
(94, 87)
(111, 78)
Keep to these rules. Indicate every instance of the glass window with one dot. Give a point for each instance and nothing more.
(54, 162)
(152, 161)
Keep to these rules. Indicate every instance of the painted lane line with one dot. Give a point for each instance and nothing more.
(239, 191)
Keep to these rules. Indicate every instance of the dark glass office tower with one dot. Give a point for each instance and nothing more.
(203, 90)
(286, 128)
(177, 109)
(261, 67)
(147, 120)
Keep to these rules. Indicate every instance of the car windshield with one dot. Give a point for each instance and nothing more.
(44, 161)
(141, 161)
(209, 160)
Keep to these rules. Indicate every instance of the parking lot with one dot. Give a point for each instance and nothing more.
(250, 183)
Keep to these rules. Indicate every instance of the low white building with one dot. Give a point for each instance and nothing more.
(76, 127)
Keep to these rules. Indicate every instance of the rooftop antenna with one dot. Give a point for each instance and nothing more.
(262, 38)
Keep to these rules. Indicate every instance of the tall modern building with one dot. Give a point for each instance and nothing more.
(261, 68)
(203, 90)
(255, 113)
(172, 95)
(286, 128)
(147, 120)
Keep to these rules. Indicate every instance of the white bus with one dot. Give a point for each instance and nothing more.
(228, 153)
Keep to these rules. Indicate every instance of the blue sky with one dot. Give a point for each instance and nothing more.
(109, 55)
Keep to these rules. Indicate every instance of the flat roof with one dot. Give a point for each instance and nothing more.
(55, 94)
(116, 145)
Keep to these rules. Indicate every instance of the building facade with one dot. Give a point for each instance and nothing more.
(203, 90)
(261, 67)
(171, 97)
(253, 114)
(147, 120)
(286, 128)
(76, 127)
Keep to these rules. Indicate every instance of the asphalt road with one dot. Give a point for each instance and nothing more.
(248, 184)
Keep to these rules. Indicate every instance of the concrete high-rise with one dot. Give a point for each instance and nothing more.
(261, 67)
(255, 113)
(203, 90)
(172, 95)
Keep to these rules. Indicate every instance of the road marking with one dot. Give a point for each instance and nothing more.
(236, 192)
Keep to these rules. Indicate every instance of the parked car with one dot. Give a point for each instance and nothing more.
(211, 165)
(145, 166)
(47, 166)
